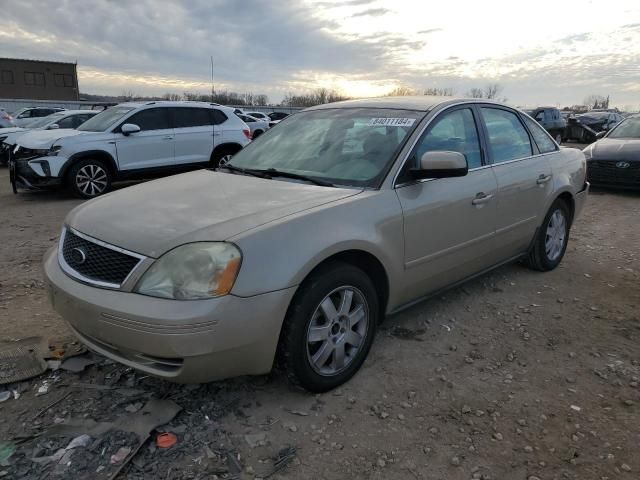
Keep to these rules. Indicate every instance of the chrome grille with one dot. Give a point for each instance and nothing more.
(95, 262)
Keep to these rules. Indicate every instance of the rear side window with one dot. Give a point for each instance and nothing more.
(151, 119)
(69, 122)
(508, 139)
(455, 132)
(190, 117)
(218, 116)
(545, 144)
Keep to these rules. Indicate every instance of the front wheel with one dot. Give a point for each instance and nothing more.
(89, 178)
(329, 328)
(558, 138)
(551, 242)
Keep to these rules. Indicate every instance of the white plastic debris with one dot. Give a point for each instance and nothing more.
(576, 408)
(81, 441)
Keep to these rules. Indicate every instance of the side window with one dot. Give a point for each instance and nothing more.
(69, 122)
(508, 140)
(151, 119)
(456, 132)
(190, 117)
(545, 144)
(218, 116)
(539, 116)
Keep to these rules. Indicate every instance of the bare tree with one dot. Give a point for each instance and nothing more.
(594, 101)
(475, 93)
(127, 96)
(439, 92)
(174, 97)
(317, 97)
(492, 90)
(401, 91)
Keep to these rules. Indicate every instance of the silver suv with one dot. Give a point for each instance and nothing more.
(130, 140)
(297, 248)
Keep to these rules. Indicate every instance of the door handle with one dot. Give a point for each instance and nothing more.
(168, 137)
(542, 179)
(215, 134)
(481, 199)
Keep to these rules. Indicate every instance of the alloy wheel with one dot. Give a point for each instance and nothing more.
(556, 235)
(91, 180)
(337, 330)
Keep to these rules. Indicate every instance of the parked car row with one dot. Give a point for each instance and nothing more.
(580, 128)
(130, 140)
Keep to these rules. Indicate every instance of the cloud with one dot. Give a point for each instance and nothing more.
(372, 12)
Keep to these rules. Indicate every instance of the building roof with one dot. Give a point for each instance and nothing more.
(39, 61)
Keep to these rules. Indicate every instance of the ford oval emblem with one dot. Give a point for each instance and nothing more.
(623, 164)
(78, 256)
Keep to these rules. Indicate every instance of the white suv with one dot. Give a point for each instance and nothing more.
(127, 141)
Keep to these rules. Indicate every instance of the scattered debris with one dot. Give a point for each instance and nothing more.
(78, 363)
(81, 441)
(120, 455)
(21, 360)
(6, 450)
(166, 440)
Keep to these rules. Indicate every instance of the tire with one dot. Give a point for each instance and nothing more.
(311, 341)
(98, 174)
(551, 241)
(558, 138)
(256, 134)
(223, 154)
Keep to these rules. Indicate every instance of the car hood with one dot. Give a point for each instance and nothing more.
(616, 149)
(154, 217)
(9, 130)
(42, 139)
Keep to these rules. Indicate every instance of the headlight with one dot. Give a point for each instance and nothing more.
(193, 271)
(53, 151)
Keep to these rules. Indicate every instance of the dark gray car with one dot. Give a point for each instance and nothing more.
(551, 121)
(614, 160)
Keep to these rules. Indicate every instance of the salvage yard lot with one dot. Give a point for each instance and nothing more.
(515, 375)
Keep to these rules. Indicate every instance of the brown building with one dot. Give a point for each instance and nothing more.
(38, 79)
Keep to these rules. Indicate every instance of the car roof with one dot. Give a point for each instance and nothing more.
(177, 103)
(418, 102)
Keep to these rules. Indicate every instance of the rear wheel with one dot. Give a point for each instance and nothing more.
(89, 178)
(256, 134)
(551, 243)
(329, 328)
(223, 155)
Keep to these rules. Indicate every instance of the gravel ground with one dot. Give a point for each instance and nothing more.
(514, 375)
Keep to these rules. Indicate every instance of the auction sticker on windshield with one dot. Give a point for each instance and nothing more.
(391, 122)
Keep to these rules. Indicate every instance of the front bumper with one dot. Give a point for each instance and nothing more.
(182, 341)
(580, 199)
(32, 173)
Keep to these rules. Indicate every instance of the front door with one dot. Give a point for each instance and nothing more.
(524, 178)
(152, 146)
(449, 223)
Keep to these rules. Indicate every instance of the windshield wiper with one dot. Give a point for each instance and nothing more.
(272, 172)
(244, 171)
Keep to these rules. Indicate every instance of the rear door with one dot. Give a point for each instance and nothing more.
(524, 178)
(449, 223)
(193, 130)
(152, 146)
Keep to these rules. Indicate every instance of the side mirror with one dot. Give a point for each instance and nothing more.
(601, 134)
(441, 164)
(53, 126)
(129, 128)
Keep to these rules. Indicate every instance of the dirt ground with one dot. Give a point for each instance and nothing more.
(515, 375)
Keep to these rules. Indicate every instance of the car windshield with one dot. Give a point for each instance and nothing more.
(104, 120)
(346, 146)
(630, 128)
(41, 122)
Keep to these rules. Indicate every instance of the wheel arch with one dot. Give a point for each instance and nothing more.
(568, 199)
(365, 261)
(97, 154)
(228, 146)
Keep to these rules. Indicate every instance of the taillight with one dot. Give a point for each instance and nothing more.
(247, 133)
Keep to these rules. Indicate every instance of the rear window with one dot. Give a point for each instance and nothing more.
(544, 143)
(191, 117)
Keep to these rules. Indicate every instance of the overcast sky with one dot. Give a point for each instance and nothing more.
(543, 52)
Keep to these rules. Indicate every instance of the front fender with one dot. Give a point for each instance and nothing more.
(282, 253)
